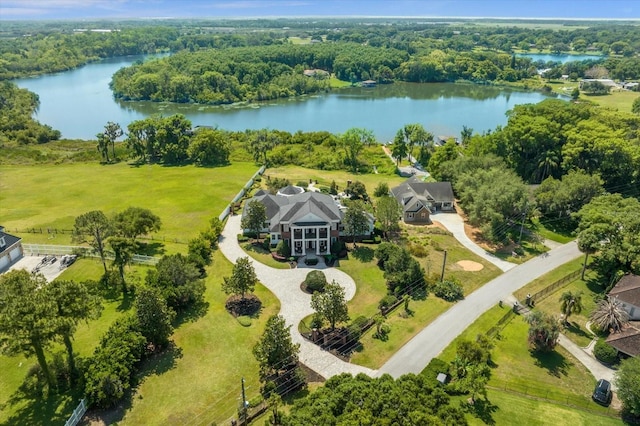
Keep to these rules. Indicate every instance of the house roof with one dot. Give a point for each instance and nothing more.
(291, 190)
(9, 241)
(628, 340)
(307, 207)
(413, 194)
(627, 290)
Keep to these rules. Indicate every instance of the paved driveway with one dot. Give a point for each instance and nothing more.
(454, 224)
(416, 354)
(294, 303)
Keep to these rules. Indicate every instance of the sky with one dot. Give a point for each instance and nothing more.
(122, 9)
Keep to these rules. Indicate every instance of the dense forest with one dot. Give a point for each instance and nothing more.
(16, 123)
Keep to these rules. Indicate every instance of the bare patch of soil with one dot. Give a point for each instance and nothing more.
(470, 265)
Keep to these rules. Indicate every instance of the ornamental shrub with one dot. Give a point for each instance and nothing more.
(283, 248)
(386, 302)
(315, 281)
(604, 352)
(448, 290)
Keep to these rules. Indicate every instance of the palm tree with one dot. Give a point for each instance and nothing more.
(609, 315)
(571, 303)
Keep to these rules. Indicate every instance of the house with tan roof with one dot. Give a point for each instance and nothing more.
(627, 292)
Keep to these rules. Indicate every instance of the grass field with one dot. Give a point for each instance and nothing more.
(51, 196)
(361, 266)
(193, 383)
(324, 177)
(620, 100)
(529, 378)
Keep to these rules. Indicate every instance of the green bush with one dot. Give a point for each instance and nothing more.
(418, 250)
(244, 320)
(283, 248)
(302, 183)
(386, 302)
(356, 327)
(448, 290)
(315, 281)
(605, 353)
(381, 190)
(337, 247)
(242, 238)
(435, 367)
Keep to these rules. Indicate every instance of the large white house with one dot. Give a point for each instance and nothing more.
(309, 221)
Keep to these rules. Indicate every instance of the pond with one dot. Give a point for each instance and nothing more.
(562, 58)
(79, 103)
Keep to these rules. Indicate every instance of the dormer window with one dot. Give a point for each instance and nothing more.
(2, 242)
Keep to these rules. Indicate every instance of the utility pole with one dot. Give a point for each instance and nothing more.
(243, 409)
(444, 262)
(524, 215)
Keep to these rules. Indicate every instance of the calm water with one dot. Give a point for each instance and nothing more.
(79, 103)
(558, 58)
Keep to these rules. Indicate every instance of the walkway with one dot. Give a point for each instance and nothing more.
(454, 224)
(294, 303)
(414, 356)
(598, 370)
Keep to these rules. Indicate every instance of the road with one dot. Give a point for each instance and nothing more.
(414, 356)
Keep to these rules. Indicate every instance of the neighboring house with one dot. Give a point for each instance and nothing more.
(419, 199)
(369, 83)
(604, 81)
(628, 340)
(441, 140)
(10, 249)
(627, 291)
(309, 221)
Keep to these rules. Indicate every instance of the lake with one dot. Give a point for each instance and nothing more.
(79, 103)
(562, 58)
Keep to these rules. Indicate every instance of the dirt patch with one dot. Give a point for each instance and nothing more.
(470, 265)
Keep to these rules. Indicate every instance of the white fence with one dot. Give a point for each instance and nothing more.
(240, 194)
(77, 413)
(50, 249)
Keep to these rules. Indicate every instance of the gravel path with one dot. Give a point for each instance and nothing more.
(454, 224)
(294, 303)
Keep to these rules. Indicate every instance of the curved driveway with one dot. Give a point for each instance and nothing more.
(294, 303)
(454, 224)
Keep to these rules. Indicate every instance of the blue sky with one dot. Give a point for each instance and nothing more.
(91, 9)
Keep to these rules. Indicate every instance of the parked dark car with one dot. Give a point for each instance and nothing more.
(602, 392)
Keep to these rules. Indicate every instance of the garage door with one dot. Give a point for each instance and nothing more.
(15, 254)
(4, 262)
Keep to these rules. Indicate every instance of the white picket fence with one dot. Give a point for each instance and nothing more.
(77, 413)
(241, 193)
(56, 250)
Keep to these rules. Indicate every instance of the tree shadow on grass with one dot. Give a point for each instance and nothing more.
(156, 364)
(192, 313)
(155, 248)
(482, 409)
(555, 364)
(32, 404)
(363, 254)
(126, 302)
(575, 328)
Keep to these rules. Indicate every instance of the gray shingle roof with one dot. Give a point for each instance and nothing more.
(9, 240)
(627, 289)
(413, 192)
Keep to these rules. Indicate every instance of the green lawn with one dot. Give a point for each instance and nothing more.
(548, 231)
(51, 196)
(261, 255)
(508, 408)
(201, 383)
(361, 266)
(193, 383)
(324, 177)
(549, 278)
(555, 377)
(620, 100)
